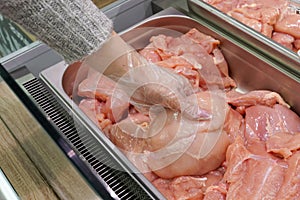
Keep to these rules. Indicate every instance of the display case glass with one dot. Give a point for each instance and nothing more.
(12, 37)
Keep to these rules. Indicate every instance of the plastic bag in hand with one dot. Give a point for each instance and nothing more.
(145, 83)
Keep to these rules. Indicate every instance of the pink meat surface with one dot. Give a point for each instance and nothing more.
(215, 192)
(252, 176)
(194, 55)
(253, 23)
(207, 42)
(297, 43)
(227, 5)
(93, 109)
(284, 39)
(289, 24)
(255, 97)
(181, 188)
(266, 17)
(234, 124)
(283, 144)
(189, 187)
(290, 189)
(264, 122)
(162, 141)
(257, 154)
(96, 86)
(102, 88)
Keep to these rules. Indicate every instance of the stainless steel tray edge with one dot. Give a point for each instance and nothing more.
(285, 57)
(49, 77)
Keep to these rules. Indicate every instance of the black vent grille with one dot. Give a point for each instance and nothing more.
(120, 182)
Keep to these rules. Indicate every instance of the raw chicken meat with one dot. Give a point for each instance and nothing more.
(102, 88)
(217, 191)
(234, 124)
(228, 5)
(93, 109)
(254, 173)
(252, 176)
(297, 43)
(283, 144)
(284, 39)
(261, 97)
(181, 188)
(188, 187)
(249, 147)
(207, 42)
(272, 18)
(289, 24)
(263, 122)
(256, 97)
(194, 55)
(177, 142)
(290, 189)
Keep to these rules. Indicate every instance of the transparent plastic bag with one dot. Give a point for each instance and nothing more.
(178, 115)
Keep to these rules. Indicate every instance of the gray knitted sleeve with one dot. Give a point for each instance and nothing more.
(74, 28)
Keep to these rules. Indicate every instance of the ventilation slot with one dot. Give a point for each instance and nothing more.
(123, 185)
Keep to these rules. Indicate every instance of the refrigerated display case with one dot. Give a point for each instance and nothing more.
(35, 76)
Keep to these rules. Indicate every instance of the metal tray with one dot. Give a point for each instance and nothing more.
(269, 48)
(248, 69)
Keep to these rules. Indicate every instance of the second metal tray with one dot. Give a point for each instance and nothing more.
(266, 46)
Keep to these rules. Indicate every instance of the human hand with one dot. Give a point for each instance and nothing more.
(144, 82)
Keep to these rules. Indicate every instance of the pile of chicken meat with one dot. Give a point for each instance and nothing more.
(256, 155)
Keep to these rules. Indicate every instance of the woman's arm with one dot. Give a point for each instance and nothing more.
(74, 28)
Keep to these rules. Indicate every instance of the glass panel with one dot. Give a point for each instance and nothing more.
(7, 192)
(12, 37)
